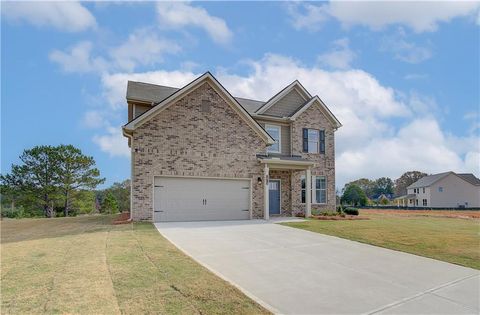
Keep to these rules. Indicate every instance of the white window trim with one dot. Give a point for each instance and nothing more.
(279, 137)
(313, 190)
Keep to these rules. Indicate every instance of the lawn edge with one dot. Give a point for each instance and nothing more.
(365, 243)
(250, 295)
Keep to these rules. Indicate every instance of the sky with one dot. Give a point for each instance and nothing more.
(402, 77)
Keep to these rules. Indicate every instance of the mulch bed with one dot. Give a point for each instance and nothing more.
(458, 214)
(338, 218)
(123, 218)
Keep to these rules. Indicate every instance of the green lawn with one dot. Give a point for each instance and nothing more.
(86, 265)
(452, 240)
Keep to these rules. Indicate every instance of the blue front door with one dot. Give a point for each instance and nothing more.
(274, 196)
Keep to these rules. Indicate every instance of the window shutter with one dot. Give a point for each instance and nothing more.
(305, 140)
(322, 141)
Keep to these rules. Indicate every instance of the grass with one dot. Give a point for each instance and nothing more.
(85, 265)
(452, 240)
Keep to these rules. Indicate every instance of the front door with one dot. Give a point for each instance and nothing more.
(274, 196)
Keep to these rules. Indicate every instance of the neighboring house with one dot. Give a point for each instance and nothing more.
(198, 153)
(444, 190)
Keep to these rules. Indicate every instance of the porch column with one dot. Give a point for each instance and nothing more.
(308, 193)
(266, 209)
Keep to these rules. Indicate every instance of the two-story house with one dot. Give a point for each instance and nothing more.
(198, 153)
(444, 190)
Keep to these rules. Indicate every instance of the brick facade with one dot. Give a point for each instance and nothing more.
(314, 118)
(199, 135)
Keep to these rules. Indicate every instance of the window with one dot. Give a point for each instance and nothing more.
(440, 189)
(424, 202)
(318, 189)
(275, 133)
(416, 202)
(423, 189)
(313, 141)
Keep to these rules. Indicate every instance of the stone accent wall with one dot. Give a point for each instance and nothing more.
(286, 191)
(314, 118)
(199, 135)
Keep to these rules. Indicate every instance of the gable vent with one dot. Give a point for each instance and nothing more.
(205, 107)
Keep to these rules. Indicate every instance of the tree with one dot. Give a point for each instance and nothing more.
(406, 180)
(76, 171)
(109, 204)
(83, 202)
(354, 195)
(383, 185)
(37, 178)
(121, 192)
(365, 184)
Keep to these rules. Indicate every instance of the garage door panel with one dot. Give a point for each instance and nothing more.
(194, 199)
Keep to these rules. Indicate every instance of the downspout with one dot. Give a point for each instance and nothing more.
(131, 170)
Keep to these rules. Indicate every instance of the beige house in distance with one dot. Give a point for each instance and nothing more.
(199, 153)
(443, 190)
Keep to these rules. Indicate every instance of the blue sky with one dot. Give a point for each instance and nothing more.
(403, 78)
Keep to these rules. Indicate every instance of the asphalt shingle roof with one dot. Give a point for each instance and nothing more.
(428, 180)
(147, 92)
(469, 177)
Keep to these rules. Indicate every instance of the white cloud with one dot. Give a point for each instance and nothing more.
(143, 47)
(93, 119)
(404, 50)
(307, 15)
(181, 14)
(113, 142)
(371, 142)
(70, 16)
(78, 59)
(416, 76)
(339, 57)
(418, 16)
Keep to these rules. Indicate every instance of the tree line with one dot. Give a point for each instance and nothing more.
(58, 181)
(359, 192)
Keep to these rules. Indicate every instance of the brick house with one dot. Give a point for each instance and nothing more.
(198, 153)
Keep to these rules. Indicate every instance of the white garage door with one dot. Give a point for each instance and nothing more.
(195, 199)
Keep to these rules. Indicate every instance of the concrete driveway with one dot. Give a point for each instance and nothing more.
(292, 271)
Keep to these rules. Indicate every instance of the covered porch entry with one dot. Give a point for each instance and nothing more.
(279, 184)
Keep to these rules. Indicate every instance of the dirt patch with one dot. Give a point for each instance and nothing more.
(123, 218)
(460, 214)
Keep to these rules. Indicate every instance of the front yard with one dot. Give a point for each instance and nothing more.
(86, 265)
(435, 235)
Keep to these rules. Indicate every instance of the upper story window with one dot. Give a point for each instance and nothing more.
(440, 189)
(423, 189)
(313, 140)
(275, 132)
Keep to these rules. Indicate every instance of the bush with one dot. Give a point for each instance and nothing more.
(15, 213)
(339, 208)
(351, 211)
(328, 213)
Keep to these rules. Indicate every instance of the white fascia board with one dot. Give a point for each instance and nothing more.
(207, 77)
(328, 112)
(294, 85)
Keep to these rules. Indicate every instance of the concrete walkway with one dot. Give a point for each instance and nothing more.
(292, 271)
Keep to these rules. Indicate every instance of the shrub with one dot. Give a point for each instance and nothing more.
(328, 213)
(13, 213)
(351, 211)
(339, 208)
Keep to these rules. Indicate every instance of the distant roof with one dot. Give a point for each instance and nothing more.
(147, 92)
(428, 180)
(469, 177)
(431, 179)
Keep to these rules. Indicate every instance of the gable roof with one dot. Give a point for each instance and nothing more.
(213, 82)
(154, 93)
(432, 179)
(312, 101)
(295, 85)
(429, 180)
(469, 177)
